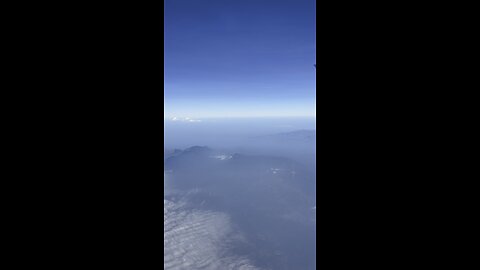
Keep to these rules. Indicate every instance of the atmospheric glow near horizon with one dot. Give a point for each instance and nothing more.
(242, 108)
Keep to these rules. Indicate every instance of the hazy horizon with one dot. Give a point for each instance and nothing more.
(233, 132)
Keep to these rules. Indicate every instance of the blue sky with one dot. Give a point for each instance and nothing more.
(239, 58)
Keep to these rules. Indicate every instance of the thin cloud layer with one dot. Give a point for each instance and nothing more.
(185, 119)
(199, 239)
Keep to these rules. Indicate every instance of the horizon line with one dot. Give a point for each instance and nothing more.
(238, 116)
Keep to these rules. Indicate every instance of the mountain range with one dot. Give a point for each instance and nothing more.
(270, 199)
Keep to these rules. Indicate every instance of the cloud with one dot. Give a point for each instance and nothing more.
(185, 119)
(222, 157)
(198, 239)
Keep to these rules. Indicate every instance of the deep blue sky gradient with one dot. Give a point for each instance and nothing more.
(239, 58)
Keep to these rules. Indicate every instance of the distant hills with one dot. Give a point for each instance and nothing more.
(201, 162)
(304, 135)
(297, 144)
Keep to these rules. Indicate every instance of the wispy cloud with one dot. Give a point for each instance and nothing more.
(185, 119)
(196, 239)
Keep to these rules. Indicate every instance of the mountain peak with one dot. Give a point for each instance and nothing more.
(197, 149)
